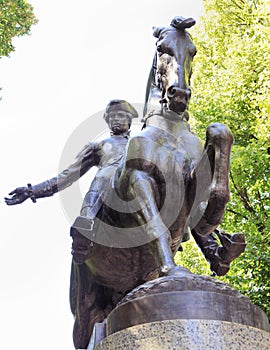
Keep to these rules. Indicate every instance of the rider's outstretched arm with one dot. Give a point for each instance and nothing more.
(87, 158)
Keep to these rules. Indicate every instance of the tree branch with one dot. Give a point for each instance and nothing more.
(243, 195)
(236, 213)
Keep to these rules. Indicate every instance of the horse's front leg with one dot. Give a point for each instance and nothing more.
(142, 193)
(213, 171)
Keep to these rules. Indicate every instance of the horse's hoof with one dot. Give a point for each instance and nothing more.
(231, 249)
(219, 267)
(232, 246)
(178, 271)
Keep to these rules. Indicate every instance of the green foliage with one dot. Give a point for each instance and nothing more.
(191, 257)
(16, 18)
(231, 85)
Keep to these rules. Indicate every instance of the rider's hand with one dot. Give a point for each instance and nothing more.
(19, 195)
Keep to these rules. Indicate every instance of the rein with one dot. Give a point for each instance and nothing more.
(165, 114)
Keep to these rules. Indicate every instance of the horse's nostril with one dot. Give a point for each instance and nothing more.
(174, 91)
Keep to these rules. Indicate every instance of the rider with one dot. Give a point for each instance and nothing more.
(104, 154)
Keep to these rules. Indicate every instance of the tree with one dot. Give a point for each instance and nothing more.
(16, 19)
(231, 85)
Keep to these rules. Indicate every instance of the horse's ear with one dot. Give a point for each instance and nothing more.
(157, 31)
(182, 23)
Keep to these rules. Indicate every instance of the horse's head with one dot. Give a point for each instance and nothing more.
(171, 72)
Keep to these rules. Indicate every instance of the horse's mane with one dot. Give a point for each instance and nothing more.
(151, 79)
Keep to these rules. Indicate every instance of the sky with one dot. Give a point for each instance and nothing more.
(57, 82)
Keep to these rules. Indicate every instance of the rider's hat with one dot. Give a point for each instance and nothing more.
(120, 105)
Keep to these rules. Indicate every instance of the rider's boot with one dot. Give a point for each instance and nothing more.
(220, 256)
(82, 229)
(81, 245)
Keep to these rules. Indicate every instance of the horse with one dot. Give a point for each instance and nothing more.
(167, 185)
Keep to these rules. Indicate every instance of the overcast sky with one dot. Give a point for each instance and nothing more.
(76, 59)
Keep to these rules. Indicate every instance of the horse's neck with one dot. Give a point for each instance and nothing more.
(174, 127)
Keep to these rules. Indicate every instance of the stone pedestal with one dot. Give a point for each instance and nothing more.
(184, 312)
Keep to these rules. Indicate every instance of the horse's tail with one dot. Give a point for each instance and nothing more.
(88, 303)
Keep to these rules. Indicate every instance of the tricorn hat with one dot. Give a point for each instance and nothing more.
(116, 105)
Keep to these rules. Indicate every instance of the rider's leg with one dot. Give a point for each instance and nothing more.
(81, 230)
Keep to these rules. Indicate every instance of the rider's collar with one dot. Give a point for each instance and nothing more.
(125, 134)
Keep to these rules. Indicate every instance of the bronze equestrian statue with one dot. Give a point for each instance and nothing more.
(166, 185)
